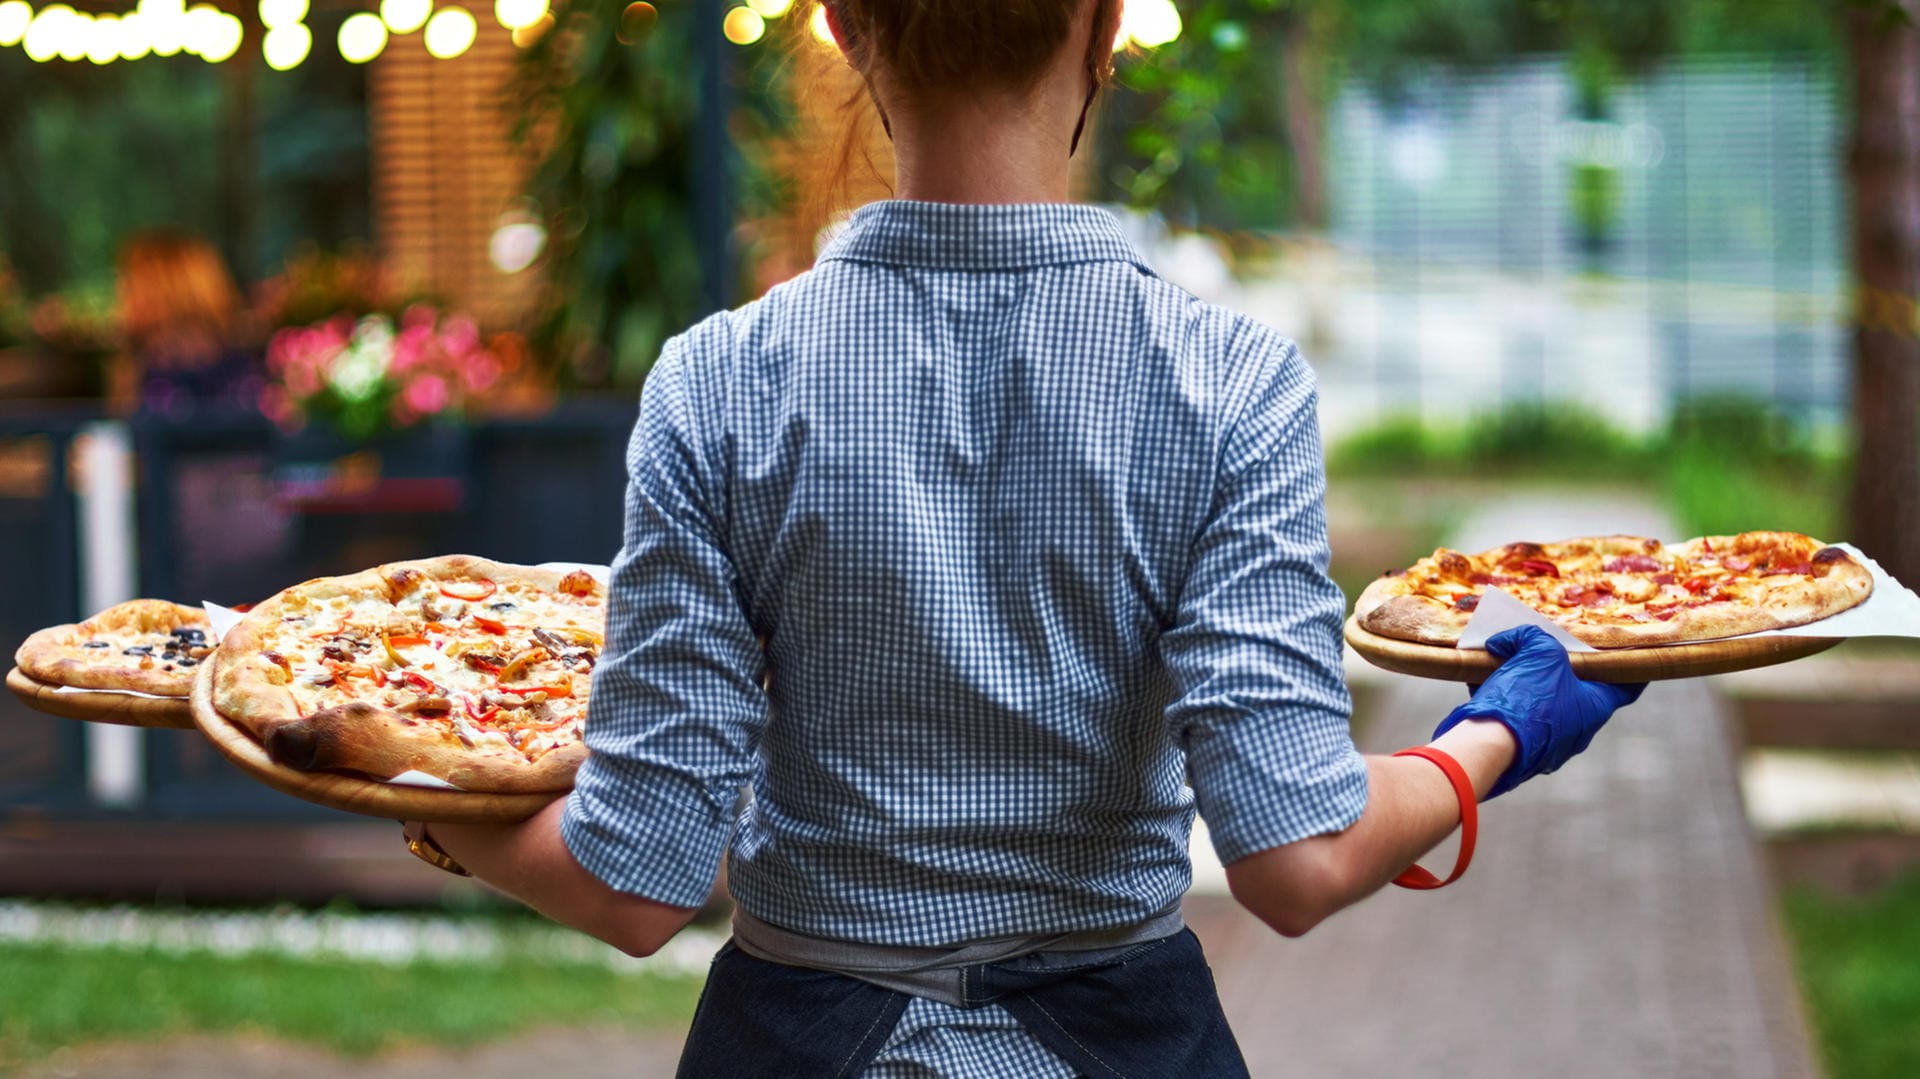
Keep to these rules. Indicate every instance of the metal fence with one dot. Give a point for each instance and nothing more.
(1695, 223)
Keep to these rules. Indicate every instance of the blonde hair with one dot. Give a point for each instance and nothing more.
(175, 289)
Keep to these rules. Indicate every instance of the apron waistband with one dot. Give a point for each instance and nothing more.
(933, 973)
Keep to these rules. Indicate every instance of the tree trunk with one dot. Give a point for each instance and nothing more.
(1300, 89)
(1883, 166)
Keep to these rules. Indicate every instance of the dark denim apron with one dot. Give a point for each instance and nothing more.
(1145, 1011)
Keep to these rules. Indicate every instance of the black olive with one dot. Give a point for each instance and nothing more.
(169, 654)
(190, 633)
(138, 650)
(501, 606)
(96, 644)
(189, 663)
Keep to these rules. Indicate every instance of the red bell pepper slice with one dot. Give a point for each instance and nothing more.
(470, 591)
(489, 624)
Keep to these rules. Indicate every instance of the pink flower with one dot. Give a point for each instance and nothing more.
(427, 394)
(419, 316)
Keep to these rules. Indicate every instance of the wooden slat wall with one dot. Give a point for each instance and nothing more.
(445, 168)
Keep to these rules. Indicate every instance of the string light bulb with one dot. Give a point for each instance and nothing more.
(166, 23)
(519, 14)
(770, 9)
(743, 26)
(277, 13)
(222, 38)
(450, 32)
(405, 16)
(286, 45)
(41, 41)
(75, 29)
(362, 37)
(822, 30)
(15, 16)
(103, 39)
(132, 36)
(525, 36)
(1149, 23)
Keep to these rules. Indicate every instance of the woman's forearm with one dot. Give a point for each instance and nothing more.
(1410, 808)
(530, 862)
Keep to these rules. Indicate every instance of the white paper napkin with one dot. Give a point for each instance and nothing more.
(1891, 611)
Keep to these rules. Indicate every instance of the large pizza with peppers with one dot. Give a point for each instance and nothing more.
(471, 671)
(1625, 591)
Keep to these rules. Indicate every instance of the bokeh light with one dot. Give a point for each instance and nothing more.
(14, 17)
(286, 45)
(103, 39)
(1150, 23)
(222, 38)
(405, 16)
(75, 30)
(771, 9)
(743, 26)
(42, 39)
(636, 22)
(202, 29)
(527, 35)
(166, 25)
(132, 34)
(362, 37)
(818, 24)
(275, 13)
(516, 14)
(450, 32)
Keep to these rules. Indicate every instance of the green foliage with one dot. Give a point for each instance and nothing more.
(54, 996)
(1534, 437)
(615, 186)
(1856, 964)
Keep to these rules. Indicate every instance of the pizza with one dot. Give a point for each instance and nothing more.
(1625, 591)
(145, 645)
(469, 670)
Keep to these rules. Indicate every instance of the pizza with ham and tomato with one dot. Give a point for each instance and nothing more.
(1625, 591)
(472, 671)
(144, 645)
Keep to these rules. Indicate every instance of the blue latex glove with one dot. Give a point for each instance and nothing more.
(1553, 714)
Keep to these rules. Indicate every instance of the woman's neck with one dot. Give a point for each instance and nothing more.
(981, 150)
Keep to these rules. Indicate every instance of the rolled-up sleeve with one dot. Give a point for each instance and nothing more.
(676, 706)
(1260, 701)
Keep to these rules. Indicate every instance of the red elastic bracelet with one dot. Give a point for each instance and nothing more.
(1418, 878)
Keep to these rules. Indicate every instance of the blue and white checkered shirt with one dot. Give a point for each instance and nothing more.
(1034, 539)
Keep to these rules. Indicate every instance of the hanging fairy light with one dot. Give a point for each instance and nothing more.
(450, 32)
(41, 41)
(15, 15)
(527, 35)
(278, 13)
(743, 26)
(131, 34)
(103, 40)
(519, 14)
(405, 16)
(166, 25)
(822, 31)
(221, 38)
(1148, 23)
(75, 29)
(286, 45)
(770, 9)
(362, 37)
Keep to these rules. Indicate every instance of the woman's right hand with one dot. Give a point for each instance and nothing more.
(1552, 713)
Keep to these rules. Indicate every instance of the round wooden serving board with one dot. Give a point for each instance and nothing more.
(100, 706)
(394, 801)
(1608, 665)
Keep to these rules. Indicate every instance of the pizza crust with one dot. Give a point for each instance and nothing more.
(255, 690)
(56, 656)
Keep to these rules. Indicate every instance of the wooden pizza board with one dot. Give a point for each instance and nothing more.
(1607, 665)
(393, 801)
(100, 706)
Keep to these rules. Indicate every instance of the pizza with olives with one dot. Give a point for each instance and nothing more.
(143, 645)
(471, 671)
(1625, 591)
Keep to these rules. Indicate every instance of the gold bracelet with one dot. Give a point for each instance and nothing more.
(425, 849)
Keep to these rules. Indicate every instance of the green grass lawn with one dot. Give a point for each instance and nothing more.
(53, 995)
(1859, 964)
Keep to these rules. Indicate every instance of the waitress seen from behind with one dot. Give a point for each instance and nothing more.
(1036, 546)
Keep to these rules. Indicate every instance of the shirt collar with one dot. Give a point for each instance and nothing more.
(978, 237)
